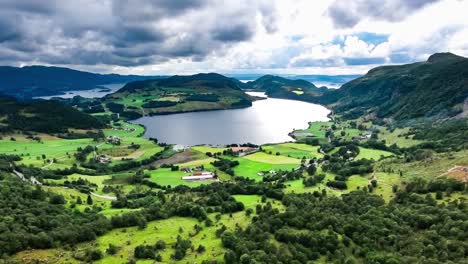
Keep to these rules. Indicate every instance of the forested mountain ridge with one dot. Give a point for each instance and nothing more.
(42, 116)
(435, 89)
(31, 81)
(209, 80)
(276, 86)
(203, 91)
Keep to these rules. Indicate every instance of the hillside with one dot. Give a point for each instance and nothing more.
(276, 86)
(434, 89)
(42, 116)
(204, 91)
(32, 81)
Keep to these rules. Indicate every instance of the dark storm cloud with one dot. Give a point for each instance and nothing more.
(239, 32)
(347, 13)
(124, 32)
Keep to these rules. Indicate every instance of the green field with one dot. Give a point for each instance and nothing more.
(166, 177)
(294, 150)
(439, 165)
(316, 128)
(54, 148)
(167, 230)
(397, 137)
(62, 150)
(271, 159)
(375, 154)
(205, 149)
(250, 169)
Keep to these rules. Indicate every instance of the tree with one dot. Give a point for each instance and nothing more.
(230, 257)
(112, 249)
(89, 200)
(78, 200)
(57, 199)
(201, 249)
(311, 169)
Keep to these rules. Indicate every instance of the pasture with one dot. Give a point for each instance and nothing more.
(294, 150)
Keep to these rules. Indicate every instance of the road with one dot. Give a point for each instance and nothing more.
(106, 197)
(20, 175)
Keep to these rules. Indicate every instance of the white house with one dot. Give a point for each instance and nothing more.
(200, 176)
(113, 140)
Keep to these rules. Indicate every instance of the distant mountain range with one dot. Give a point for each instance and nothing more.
(433, 89)
(331, 81)
(32, 81)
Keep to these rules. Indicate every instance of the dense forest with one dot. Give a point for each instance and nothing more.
(43, 116)
(33, 218)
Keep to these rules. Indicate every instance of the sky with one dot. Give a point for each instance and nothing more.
(162, 37)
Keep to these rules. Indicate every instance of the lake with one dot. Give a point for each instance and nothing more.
(267, 121)
(97, 92)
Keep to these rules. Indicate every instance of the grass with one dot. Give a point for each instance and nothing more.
(316, 128)
(195, 163)
(294, 150)
(396, 137)
(32, 151)
(375, 154)
(251, 201)
(100, 180)
(425, 169)
(62, 150)
(167, 230)
(205, 149)
(165, 176)
(71, 195)
(385, 182)
(250, 169)
(271, 159)
(113, 212)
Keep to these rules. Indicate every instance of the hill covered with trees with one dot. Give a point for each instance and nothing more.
(204, 91)
(43, 116)
(32, 81)
(276, 86)
(436, 88)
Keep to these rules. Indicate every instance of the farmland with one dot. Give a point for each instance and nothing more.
(285, 165)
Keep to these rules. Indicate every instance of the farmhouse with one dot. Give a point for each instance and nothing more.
(103, 159)
(200, 176)
(242, 151)
(113, 140)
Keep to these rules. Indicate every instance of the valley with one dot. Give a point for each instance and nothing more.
(357, 186)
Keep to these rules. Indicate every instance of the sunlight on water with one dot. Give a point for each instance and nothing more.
(267, 121)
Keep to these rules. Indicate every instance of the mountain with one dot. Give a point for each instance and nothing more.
(434, 89)
(276, 86)
(42, 116)
(207, 80)
(204, 91)
(32, 81)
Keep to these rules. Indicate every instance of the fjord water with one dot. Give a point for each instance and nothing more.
(267, 121)
(97, 92)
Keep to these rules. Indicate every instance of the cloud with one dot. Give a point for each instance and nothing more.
(190, 36)
(126, 33)
(346, 14)
(364, 61)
